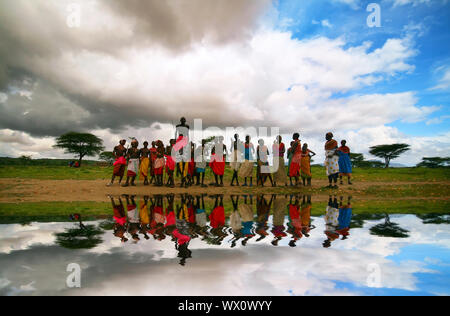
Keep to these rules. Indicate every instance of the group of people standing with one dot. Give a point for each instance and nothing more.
(189, 162)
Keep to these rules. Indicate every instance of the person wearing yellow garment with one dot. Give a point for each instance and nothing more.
(145, 162)
(305, 165)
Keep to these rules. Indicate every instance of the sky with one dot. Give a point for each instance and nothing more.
(122, 69)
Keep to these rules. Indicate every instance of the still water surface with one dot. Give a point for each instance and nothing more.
(266, 246)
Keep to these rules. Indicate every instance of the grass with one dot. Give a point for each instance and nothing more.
(56, 172)
(54, 208)
(409, 190)
(90, 172)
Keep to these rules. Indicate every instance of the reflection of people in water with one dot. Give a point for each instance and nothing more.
(279, 211)
(184, 218)
(295, 221)
(183, 215)
(144, 217)
(200, 216)
(190, 203)
(183, 252)
(179, 230)
(133, 218)
(169, 225)
(300, 218)
(188, 208)
(262, 212)
(331, 221)
(120, 220)
(235, 221)
(305, 215)
(77, 217)
(246, 213)
(345, 217)
(157, 218)
(217, 220)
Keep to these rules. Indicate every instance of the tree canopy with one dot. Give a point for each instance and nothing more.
(107, 156)
(359, 161)
(434, 162)
(80, 238)
(81, 144)
(389, 229)
(389, 152)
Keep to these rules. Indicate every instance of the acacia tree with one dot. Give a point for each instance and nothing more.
(359, 161)
(389, 152)
(107, 156)
(434, 162)
(81, 144)
(356, 159)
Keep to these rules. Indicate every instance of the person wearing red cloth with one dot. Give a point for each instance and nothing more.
(119, 153)
(279, 149)
(217, 220)
(217, 163)
(170, 165)
(296, 152)
(159, 163)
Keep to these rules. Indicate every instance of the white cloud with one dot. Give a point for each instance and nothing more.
(408, 2)
(15, 144)
(438, 120)
(354, 4)
(444, 81)
(324, 23)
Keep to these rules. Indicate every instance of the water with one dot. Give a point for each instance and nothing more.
(326, 259)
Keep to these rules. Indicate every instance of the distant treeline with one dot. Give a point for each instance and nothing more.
(27, 161)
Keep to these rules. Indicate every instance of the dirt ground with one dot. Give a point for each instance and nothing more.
(26, 190)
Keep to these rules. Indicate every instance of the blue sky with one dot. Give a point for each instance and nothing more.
(428, 24)
(433, 281)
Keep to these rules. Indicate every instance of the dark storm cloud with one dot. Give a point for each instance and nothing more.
(178, 23)
(35, 41)
(50, 112)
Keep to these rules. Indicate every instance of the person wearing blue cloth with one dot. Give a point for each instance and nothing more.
(345, 164)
